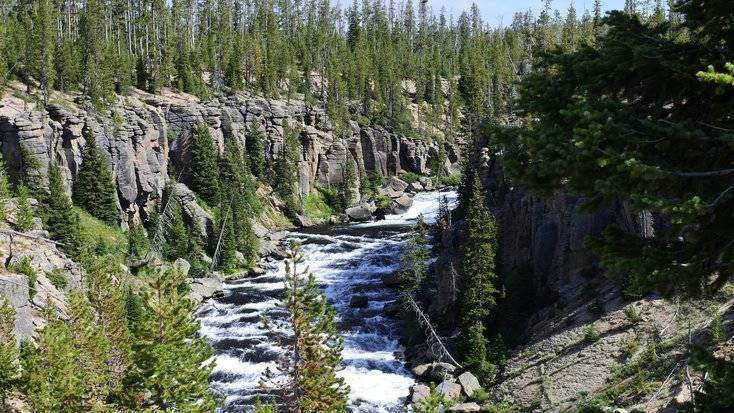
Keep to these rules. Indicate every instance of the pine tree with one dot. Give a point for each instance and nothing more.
(138, 244)
(286, 172)
(170, 370)
(9, 368)
(61, 220)
(256, 149)
(24, 214)
(67, 372)
(176, 233)
(414, 259)
(478, 292)
(5, 192)
(677, 168)
(313, 357)
(204, 171)
(94, 189)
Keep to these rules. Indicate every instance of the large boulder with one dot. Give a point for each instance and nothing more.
(419, 392)
(182, 266)
(449, 389)
(469, 383)
(434, 371)
(402, 204)
(359, 213)
(397, 184)
(205, 288)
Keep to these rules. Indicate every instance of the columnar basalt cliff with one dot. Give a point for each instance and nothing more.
(144, 135)
(569, 326)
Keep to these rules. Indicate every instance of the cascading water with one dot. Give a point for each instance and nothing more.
(346, 260)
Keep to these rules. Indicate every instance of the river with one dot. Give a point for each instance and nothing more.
(346, 260)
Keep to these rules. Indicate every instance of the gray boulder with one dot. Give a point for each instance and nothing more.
(469, 383)
(449, 389)
(359, 213)
(419, 392)
(465, 407)
(415, 187)
(434, 371)
(402, 204)
(398, 184)
(205, 288)
(182, 266)
(303, 221)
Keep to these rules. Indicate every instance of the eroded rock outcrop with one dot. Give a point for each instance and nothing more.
(143, 135)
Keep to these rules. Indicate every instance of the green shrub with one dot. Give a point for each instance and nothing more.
(409, 177)
(58, 278)
(632, 315)
(448, 180)
(591, 334)
(25, 267)
(316, 207)
(383, 202)
(630, 346)
(596, 309)
(480, 396)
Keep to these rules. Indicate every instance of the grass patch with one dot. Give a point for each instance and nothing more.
(318, 205)
(591, 335)
(632, 315)
(101, 237)
(58, 278)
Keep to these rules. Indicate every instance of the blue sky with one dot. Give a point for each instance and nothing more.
(498, 12)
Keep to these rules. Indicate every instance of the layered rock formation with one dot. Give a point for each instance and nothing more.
(142, 133)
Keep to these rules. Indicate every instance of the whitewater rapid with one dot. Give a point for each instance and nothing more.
(346, 260)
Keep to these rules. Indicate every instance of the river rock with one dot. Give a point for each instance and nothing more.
(469, 383)
(359, 301)
(415, 187)
(419, 392)
(449, 389)
(434, 371)
(402, 204)
(205, 288)
(393, 280)
(465, 407)
(303, 221)
(256, 271)
(359, 213)
(397, 184)
(393, 309)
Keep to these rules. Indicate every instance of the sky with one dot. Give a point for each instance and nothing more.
(500, 12)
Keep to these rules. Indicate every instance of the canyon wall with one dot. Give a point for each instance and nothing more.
(143, 135)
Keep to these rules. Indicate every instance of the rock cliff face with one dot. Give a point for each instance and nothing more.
(569, 327)
(542, 260)
(143, 132)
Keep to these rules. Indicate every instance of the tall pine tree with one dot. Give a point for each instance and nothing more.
(312, 358)
(61, 220)
(478, 290)
(204, 169)
(94, 189)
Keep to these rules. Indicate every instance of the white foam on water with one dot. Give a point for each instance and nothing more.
(344, 264)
